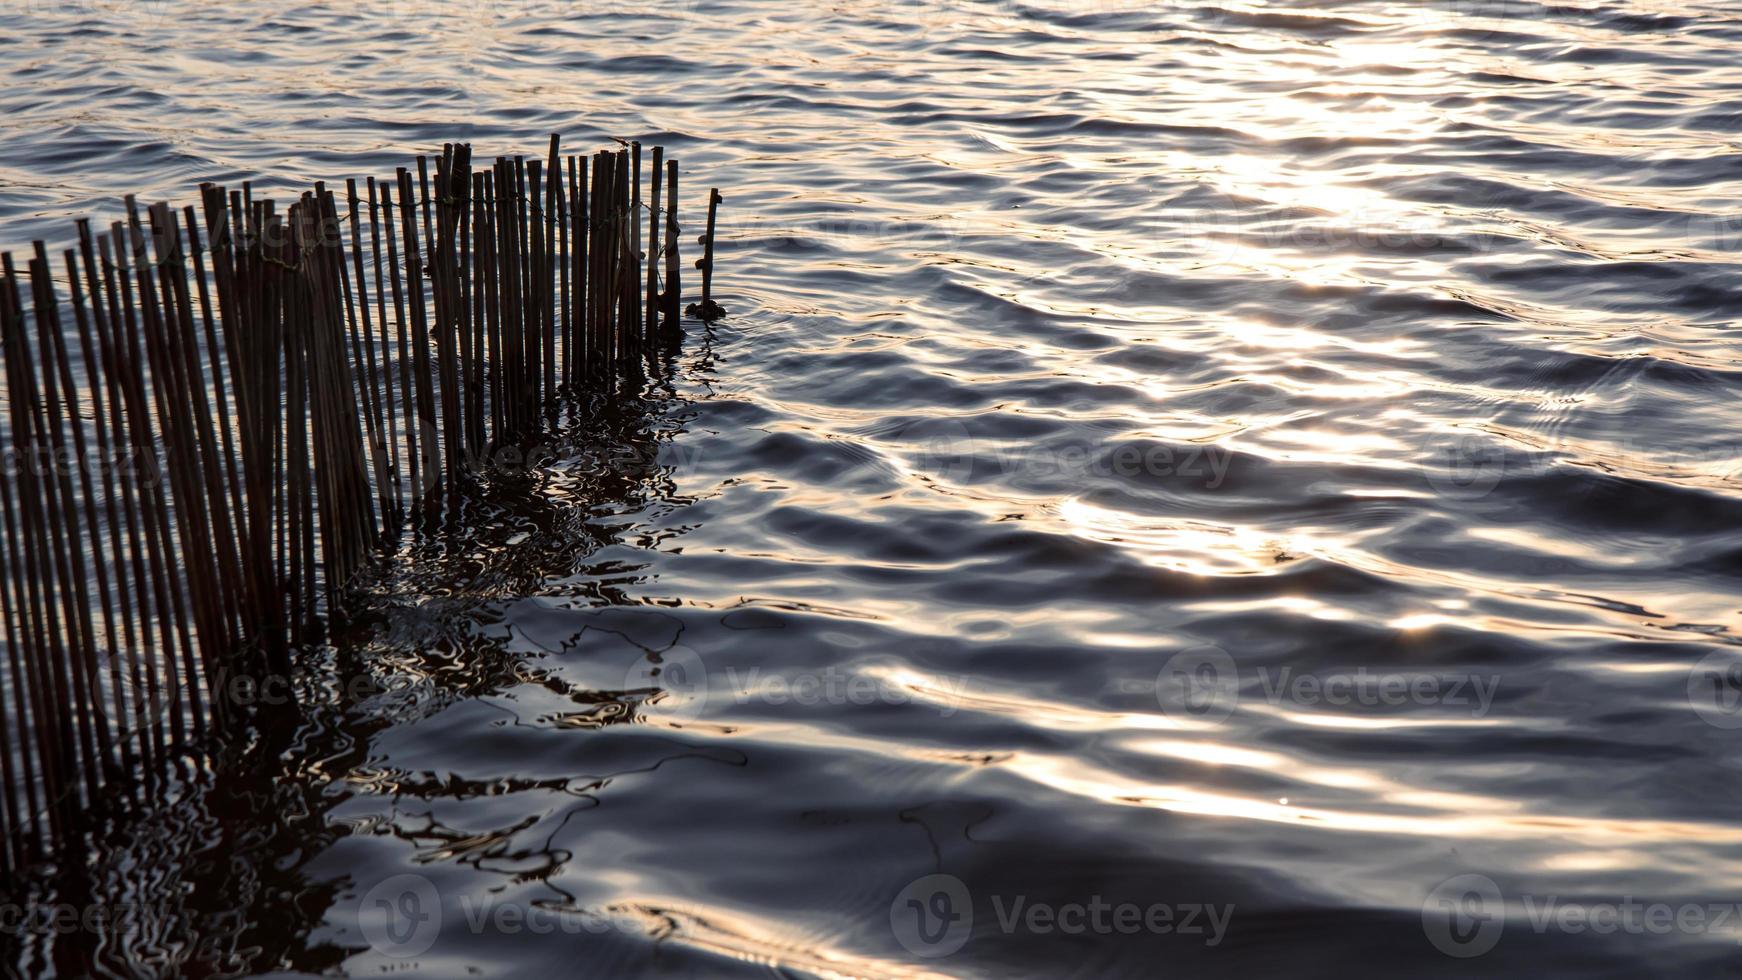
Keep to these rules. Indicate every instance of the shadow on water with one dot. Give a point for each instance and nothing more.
(212, 878)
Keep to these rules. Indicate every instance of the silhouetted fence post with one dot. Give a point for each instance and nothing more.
(213, 434)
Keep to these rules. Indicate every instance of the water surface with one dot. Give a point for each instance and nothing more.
(1279, 456)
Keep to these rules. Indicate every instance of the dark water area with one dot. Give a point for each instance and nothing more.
(1184, 489)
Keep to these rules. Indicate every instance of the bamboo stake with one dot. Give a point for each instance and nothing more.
(199, 483)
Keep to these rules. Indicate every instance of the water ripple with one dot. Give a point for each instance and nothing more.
(1377, 358)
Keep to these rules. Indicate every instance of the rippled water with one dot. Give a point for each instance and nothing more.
(1271, 455)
